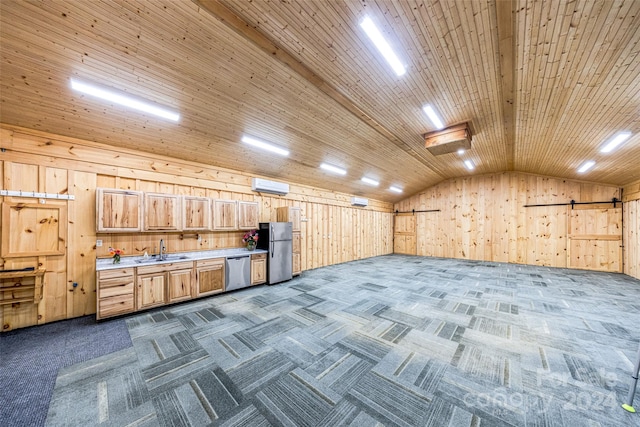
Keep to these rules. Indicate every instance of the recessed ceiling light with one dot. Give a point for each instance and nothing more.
(617, 140)
(264, 145)
(395, 189)
(586, 166)
(381, 44)
(370, 181)
(125, 100)
(334, 169)
(460, 151)
(469, 165)
(433, 116)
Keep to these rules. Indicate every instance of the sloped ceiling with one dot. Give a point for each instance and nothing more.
(543, 84)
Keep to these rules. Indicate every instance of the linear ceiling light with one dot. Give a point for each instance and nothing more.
(433, 116)
(395, 189)
(370, 181)
(617, 140)
(112, 95)
(469, 165)
(381, 44)
(334, 169)
(586, 166)
(264, 145)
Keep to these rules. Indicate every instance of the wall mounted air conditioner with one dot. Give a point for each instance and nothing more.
(266, 186)
(359, 201)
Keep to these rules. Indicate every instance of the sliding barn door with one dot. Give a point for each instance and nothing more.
(404, 235)
(595, 237)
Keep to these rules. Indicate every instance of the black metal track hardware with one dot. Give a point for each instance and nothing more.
(574, 203)
(415, 211)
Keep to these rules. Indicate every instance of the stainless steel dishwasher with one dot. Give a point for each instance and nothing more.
(238, 272)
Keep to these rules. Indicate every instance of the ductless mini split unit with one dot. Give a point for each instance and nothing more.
(359, 201)
(266, 186)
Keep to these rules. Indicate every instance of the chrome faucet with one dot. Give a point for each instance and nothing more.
(162, 249)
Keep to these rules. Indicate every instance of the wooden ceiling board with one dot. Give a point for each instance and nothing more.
(543, 84)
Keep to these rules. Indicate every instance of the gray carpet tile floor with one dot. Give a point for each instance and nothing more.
(387, 341)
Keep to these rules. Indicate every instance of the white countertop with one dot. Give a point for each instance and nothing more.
(107, 263)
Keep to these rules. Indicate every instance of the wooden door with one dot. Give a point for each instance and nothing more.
(595, 237)
(225, 215)
(179, 284)
(161, 212)
(248, 215)
(404, 235)
(118, 210)
(151, 290)
(196, 213)
(210, 277)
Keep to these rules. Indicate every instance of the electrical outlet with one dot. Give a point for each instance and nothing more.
(98, 243)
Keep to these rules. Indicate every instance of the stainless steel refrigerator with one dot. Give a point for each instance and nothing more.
(277, 238)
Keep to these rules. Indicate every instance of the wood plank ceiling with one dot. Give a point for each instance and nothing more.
(543, 84)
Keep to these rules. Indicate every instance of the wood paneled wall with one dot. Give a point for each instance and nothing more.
(332, 230)
(483, 218)
(631, 220)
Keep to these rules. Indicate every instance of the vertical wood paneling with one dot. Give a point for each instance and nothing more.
(332, 231)
(484, 218)
(631, 229)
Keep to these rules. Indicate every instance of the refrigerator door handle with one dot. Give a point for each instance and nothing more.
(273, 244)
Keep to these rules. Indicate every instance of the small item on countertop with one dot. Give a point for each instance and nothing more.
(145, 256)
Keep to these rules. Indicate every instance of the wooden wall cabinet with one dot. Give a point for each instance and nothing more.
(162, 212)
(210, 276)
(248, 215)
(118, 210)
(293, 215)
(196, 213)
(258, 269)
(225, 214)
(115, 292)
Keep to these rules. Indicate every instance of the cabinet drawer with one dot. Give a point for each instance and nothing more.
(210, 262)
(258, 256)
(115, 305)
(149, 269)
(110, 288)
(116, 272)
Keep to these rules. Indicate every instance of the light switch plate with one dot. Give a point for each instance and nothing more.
(98, 243)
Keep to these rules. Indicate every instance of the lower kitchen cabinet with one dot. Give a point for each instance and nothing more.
(210, 276)
(161, 284)
(258, 269)
(115, 292)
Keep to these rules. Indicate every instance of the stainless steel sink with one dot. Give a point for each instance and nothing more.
(152, 260)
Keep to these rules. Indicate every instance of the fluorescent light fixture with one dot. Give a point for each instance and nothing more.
(381, 44)
(264, 145)
(370, 181)
(435, 119)
(112, 95)
(617, 140)
(395, 189)
(469, 165)
(460, 151)
(334, 169)
(586, 166)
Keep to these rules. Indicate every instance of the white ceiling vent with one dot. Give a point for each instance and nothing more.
(266, 186)
(359, 201)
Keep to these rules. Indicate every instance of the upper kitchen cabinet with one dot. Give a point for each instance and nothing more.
(118, 210)
(196, 213)
(225, 215)
(248, 215)
(289, 214)
(162, 212)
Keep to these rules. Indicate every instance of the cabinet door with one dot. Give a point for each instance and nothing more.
(210, 277)
(161, 212)
(196, 213)
(248, 215)
(151, 290)
(258, 269)
(289, 214)
(179, 285)
(225, 215)
(118, 210)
